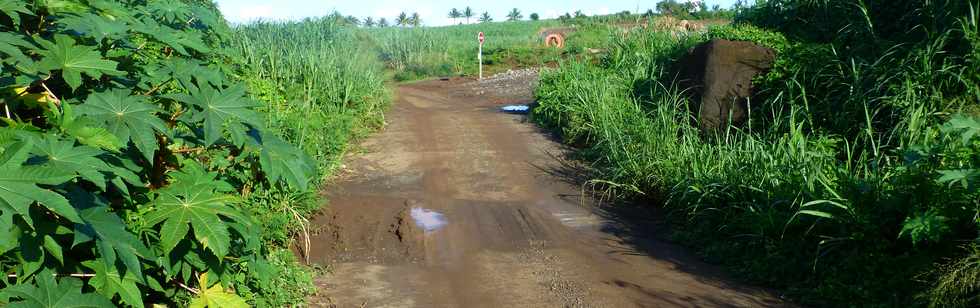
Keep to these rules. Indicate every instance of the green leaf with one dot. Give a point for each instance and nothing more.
(18, 184)
(54, 248)
(66, 293)
(816, 214)
(95, 26)
(185, 71)
(170, 11)
(128, 117)
(13, 9)
(178, 40)
(65, 156)
(109, 282)
(216, 296)
(11, 44)
(194, 204)
(9, 232)
(963, 177)
(217, 108)
(968, 126)
(74, 60)
(54, 7)
(112, 239)
(284, 162)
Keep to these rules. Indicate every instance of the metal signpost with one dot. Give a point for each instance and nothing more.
(480, 55)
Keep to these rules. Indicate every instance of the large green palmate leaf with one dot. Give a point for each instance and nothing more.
(967, 126)
(89, 133)
(64, 155)
(128, 117)
(283, 162)
(13, 9)
(19, 184)
(74, 60)
(11, 44)
(221, 111)
(179, 41)
(51, 293)
(55, 7)
(109, 282)
(170, 10)
(198, 204)
(95, 26)
(216, 296)
(112, 240)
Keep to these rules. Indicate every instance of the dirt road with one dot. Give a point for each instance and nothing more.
(516, 232)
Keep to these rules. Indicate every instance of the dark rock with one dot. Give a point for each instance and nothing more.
(718, 77)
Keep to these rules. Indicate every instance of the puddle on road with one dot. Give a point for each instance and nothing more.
(518, 109)
(428, 220)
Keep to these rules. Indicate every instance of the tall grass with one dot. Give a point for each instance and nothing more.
(836, 190)
(322, 85)
(323, 81)
(414, 53)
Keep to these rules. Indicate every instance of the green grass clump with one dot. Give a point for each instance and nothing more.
(853, 178)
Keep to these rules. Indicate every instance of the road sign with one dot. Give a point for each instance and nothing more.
(482, 38)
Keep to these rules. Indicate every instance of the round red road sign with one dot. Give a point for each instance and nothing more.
(481, 37)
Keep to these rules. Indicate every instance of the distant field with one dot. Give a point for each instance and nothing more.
(445, 51)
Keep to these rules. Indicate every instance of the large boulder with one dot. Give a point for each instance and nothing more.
(717, 75)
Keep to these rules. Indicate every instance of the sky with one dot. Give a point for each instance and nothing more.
(433, 12)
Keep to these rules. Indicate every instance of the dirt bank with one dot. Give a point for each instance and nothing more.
(517, 232)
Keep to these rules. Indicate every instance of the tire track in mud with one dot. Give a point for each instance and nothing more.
(517, 233)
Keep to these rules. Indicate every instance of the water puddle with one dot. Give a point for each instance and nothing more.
(518, 109)
(428, 220)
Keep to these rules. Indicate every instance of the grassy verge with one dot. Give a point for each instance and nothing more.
(322, 87)
(415, 53)
(852, 180)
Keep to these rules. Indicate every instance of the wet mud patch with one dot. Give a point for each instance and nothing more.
(369, 229)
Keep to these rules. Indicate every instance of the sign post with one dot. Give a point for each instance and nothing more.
(479, 56)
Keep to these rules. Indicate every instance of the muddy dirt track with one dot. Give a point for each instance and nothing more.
(518, 232)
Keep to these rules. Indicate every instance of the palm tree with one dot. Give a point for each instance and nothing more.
(535, 16)
(351, 20)
(383, 22)
(455, 14)
(468, 13)
(415, 20)
(369, 22)
(485, 17)
(402, 19)
(514, 15)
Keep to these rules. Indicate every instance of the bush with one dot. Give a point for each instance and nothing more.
(130, 153)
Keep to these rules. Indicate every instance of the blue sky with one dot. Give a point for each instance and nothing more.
(433, 12)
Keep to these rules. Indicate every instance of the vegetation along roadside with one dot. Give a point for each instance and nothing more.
(853, 182)
(151, 154)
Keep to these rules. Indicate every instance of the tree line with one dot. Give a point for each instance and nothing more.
(680, 9)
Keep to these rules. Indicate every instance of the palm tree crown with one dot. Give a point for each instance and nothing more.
(455, 14)
(485, 17)
(468, 13)
(514, 15)
(415, 20)
(402, 19)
